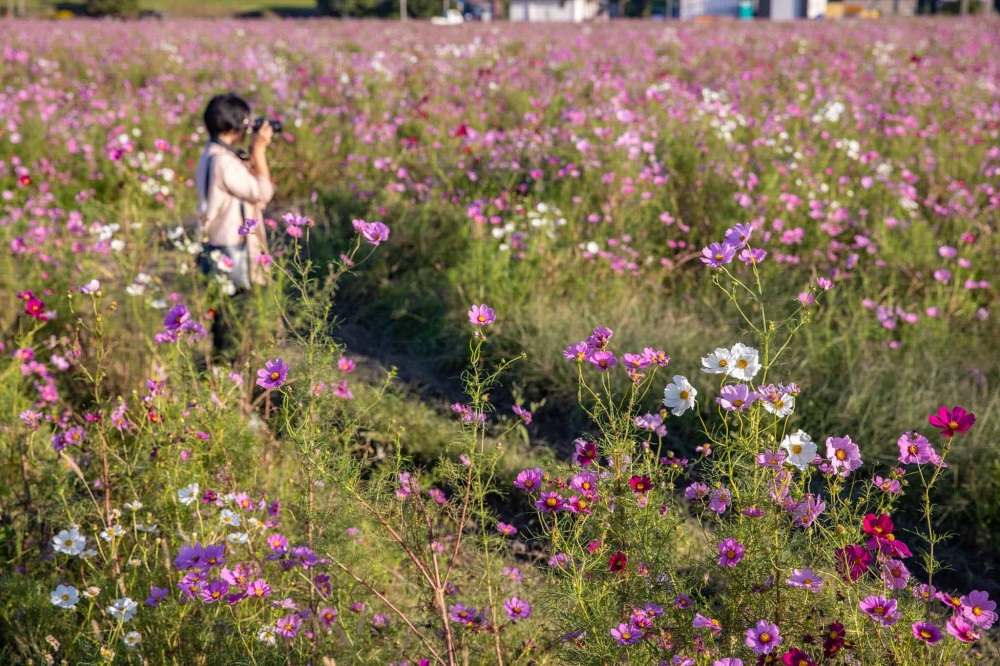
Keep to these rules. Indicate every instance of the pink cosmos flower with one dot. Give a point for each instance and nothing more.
(288, 626)
(373, 232)
(273, 374)
(806, 579)
(895, 574)
(927, 632)
(529, 480)
(603, 360)
(578, 352)
(914, 448)
(702, 622)
(717, 254)
(730, 553)
(328, 616)
(550, 501)
(882, 610)
(517, 609)
(978, 609)
(843, 454)
(763, 637)
(626, 635)
(954, 421)
(504, 528)
(482, 315)
(960, 627)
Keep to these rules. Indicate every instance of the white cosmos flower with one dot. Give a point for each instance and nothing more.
(65, 596)
(134, 506)
(782, 406)
(122, 609)
(238, 538)
(132, 639)
(679, 396)
(70, 542)
(231, 518)
(113, 532)
(716, 363)
(188, 495)
(266, 635)
(744, 362)
(801, 449)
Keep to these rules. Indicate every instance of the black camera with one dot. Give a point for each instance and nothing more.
(259, 122)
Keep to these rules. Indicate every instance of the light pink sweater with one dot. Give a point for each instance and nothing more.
(231, 183)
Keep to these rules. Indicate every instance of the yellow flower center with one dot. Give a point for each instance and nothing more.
(723, 363)
(731, 553)
(551, 501)
(807, 581)
(953, 425)
(796, 449)
(69, 542)
(742, 364)
(737, 403)
(925, 634)
(274, 376)
(684, 395)
(765, 638)
(841, 454)
(977, 611)
(779, 404)
(719, 256)
(65, 597)
(480, 319)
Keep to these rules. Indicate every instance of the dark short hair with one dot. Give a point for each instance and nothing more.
(226, 112)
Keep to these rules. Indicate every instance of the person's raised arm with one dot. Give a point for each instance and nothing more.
(253, 186)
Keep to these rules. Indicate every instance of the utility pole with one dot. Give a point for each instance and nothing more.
(402, 10)
(444, 12)
(963, 8)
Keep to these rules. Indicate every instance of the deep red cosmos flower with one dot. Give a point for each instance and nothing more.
(640, 484)
(952, 421)
(617, 562)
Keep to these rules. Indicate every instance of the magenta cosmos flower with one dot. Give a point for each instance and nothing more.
(952, 421)
(927, 632)
(273, 374)
(763, 637)
(730, 553)
(482, 315)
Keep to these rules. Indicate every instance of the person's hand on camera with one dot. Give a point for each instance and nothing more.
(262, 137)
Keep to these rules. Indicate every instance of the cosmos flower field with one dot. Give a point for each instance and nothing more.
(651, 343)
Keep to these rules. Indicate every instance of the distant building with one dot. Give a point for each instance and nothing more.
(554, 10)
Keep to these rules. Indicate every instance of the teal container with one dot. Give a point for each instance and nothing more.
(746, 10)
